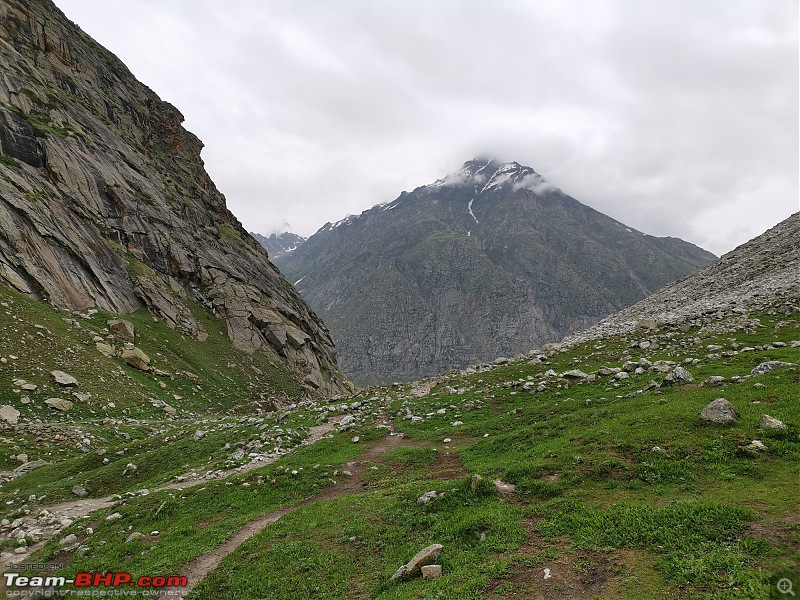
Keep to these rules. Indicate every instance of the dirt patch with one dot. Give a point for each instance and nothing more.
(197, 569)
(548, 569)
(782, 534)
(447, 465)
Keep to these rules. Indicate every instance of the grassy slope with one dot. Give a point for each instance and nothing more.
(594, 503)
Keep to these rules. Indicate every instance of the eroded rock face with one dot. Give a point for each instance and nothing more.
(104, 201)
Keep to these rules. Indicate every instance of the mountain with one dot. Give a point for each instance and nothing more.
(278, 244)
(490, 260)
(104, 202)
(761, 274)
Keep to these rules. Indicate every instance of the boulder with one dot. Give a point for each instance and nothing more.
(9, 414)
(768, 422)
(574, 374)
(424, 557)
(135, 358)
(677, 376)
(59, 404)
(719, 412)
(768, 366)
(64, 379)
(106, 349)
(122, 329)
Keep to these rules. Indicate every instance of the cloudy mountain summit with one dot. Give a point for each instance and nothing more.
(490, 260)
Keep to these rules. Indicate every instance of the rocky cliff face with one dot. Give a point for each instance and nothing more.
(491, 260)
(761, 274)
(104, 202)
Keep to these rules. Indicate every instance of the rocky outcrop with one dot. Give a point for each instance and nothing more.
(762, 274)
(489, 261)
(104, 201)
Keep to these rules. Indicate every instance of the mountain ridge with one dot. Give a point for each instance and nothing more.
(549, 266)
(106, 202)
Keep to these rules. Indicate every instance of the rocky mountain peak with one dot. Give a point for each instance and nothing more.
(486, 175)
(489, 260)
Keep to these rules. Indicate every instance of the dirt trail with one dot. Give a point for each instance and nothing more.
(83, 507)
(197, 569)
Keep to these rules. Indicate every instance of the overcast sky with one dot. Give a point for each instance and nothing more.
(678, 118)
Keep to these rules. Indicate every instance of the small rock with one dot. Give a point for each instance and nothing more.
(719, 412)
(503, 488)
(64, 379)
(59, 404)
(427, 497)
(69, 540)
(199, 434)
(79, 491)
(130, 469)
(106, 350)
(714, 379)
(424, 557)
(113, 516)
(9, 414)
(431, 571)
(768, 422)
(447, 440)
(134, 536)
(356, 439)
(677, 375)
(347, 422)
(574, 374)
(755, 446)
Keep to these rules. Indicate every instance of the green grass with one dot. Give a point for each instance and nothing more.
(696, 517)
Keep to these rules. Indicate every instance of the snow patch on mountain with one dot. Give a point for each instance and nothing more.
(469, 208)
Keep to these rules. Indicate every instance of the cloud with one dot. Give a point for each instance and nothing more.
(675, 118)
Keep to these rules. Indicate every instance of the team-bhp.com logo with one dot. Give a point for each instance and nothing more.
(94, 580)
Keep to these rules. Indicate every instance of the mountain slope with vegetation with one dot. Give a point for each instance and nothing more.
(104, 202)
(491, 260)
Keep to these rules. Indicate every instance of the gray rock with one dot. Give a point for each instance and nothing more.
(755, 446)
(714, 379)
(122, 329)
(79, 491)
(424, 557)
(9, 414)
(134, 536)
(427, 497)
(106, 350)
(199, 434)
(59, 404)
(677, 376)
(135, 358)
(64, 379)
(347, 422)
(768, 366)
(663, 366)
(719, 412)
(574, 374)
(431, 571)
(768, 422)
